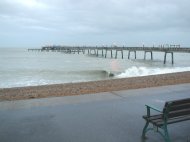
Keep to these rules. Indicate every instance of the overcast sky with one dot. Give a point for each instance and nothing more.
(33, 23)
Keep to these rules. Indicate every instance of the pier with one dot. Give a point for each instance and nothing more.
(104, 51)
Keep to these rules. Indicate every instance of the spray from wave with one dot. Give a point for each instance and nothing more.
(145, 71)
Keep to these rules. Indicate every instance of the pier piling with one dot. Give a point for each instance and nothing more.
(107, 52)
(121, 50)
(129, 53)
(150, 54)
(172, 58)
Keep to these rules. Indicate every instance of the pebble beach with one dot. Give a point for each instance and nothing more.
(69, 89)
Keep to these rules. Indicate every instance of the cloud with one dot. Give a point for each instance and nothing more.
(105, 19)
(31, 4)
(125, 15)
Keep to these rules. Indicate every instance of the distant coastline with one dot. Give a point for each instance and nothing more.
(69, 89)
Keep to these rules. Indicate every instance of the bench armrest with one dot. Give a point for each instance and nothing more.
(152, 108)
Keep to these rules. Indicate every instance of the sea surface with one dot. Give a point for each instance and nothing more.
(20, 67)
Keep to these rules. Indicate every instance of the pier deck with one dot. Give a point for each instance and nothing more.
(105, 50)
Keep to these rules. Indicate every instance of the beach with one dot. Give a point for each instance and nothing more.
(69, 89)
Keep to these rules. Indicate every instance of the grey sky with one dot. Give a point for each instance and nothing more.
(33, 23)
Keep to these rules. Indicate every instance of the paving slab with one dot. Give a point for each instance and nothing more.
(103, 117)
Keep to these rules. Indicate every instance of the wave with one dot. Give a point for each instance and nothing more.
(56, 72)
(90, 73)
(145, 71)
(80, 73)
(43, 77)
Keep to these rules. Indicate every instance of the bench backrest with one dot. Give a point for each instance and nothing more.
(177, 108)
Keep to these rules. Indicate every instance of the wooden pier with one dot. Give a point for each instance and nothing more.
(106, 50)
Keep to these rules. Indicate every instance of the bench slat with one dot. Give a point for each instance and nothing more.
(179, 106)
(177, 113)
(178, 102)
(160, 122)
(171, 121)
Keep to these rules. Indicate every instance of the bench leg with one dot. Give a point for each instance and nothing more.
(167, 138)
(145, 130)
(164, 134)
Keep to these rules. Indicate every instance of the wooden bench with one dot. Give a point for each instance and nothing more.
(173, 112)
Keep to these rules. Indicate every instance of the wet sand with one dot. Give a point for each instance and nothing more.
(70, 89)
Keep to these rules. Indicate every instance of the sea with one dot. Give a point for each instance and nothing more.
(20, 67)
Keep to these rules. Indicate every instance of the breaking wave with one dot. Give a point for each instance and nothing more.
(145, 71)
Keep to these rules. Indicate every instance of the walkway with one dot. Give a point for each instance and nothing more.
(105, 117)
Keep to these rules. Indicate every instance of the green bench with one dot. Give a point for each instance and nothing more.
(173, 112)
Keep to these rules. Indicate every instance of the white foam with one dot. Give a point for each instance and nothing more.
(145, 71)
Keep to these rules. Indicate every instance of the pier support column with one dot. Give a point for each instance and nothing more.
(172, 57)
(121, 54)
(83, 51)
(106, 53)
(97, 53)
(150, 54)
(130, 53)
(93, 50)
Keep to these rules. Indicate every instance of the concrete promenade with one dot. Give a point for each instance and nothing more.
(104, 117)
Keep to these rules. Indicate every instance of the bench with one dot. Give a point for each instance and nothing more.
(173, 112)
